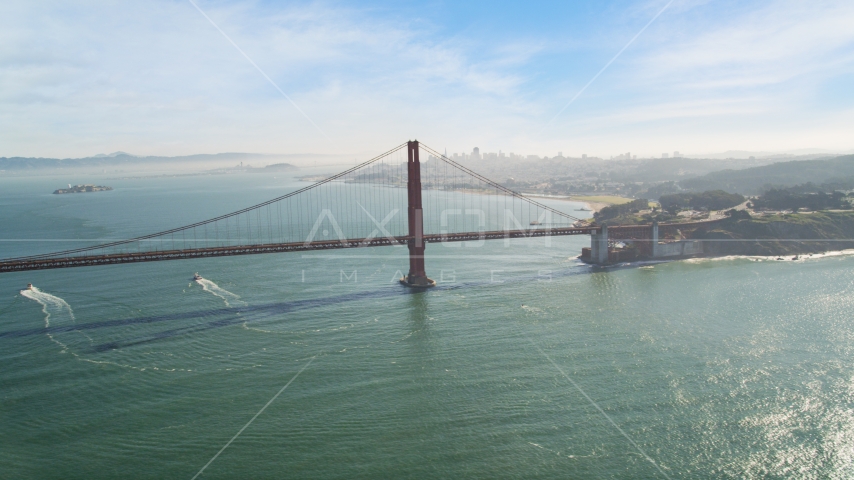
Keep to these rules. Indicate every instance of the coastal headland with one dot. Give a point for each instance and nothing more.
(786, 234)
(780, 235)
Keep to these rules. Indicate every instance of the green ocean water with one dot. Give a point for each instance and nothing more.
(522, 363)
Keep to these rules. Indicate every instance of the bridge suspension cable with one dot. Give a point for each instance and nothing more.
(497, 185)
(216, 219)
(364, 205)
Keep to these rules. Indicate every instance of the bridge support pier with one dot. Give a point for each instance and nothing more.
(417, 277)
(654, 249)
(599, 247)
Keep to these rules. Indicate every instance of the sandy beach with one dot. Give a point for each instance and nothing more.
(594, 206)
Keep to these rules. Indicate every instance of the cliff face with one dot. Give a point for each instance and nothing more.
(780, 235)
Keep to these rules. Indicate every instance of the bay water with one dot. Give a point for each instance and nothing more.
(522, 363)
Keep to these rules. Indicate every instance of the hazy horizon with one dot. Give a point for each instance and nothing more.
(319, 158)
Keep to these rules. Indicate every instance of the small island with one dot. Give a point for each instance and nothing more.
(82, 189)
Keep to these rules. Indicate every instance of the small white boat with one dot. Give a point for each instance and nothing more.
(197, 277)
(29, 286)
(582, 209)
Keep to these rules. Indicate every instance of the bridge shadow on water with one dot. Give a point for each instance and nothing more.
(250, 313)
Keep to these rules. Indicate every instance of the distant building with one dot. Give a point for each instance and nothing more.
(559, 154)
(583, 155)
(475, 154)
(676, 154)
(665, 155)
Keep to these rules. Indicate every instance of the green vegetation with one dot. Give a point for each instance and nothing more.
(665, 188)
(786, 199)
(739, 214)
(790, 234)
(710, 200)
(614, 211)
(669, 169)
(837, 173)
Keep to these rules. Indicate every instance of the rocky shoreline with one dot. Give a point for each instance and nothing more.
(784, 236)
(781, 235)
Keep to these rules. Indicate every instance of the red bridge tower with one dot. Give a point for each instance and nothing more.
(417, 277)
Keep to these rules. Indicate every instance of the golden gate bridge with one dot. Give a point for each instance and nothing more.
(359, 207)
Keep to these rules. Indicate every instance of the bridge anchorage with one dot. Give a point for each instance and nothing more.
(445, 202)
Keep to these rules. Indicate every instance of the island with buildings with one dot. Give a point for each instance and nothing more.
(82, 189)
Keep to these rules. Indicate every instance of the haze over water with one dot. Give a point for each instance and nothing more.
(733, 367)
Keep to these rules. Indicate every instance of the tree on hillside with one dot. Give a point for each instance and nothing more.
(665, 188)
(785, 199)
(710, 200)
(782, 174)
(615, 211)
(738, 214)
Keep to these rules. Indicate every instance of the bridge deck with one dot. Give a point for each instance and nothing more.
(135, 257)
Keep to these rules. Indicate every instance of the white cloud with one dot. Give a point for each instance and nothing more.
(770, 45)
(751, 77)
(160, 69)
(157, 78)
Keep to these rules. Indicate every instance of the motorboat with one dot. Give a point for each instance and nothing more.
(29, 286)
(197, 277)
(582, 209)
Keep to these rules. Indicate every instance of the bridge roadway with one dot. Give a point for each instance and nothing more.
(117, 258)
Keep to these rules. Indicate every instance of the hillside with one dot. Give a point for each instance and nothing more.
(679, 168)
(780, 235)
(752, 181)
(121, 159)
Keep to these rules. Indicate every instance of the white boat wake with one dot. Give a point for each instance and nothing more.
(58, 314)
(56, 310)
(226, 296)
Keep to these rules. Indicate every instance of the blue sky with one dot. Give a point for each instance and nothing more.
(157, 77)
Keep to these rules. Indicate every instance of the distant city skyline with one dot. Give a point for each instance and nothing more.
(309, 159)
(341, 77)
(476, 154)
